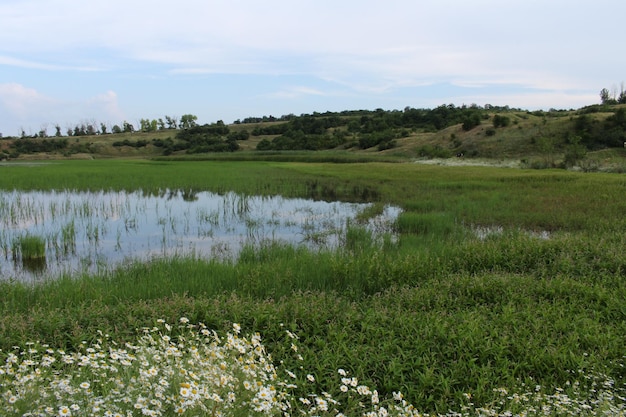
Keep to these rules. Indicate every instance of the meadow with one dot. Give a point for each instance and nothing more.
(504, 290)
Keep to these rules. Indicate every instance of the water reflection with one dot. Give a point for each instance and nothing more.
(92, 231)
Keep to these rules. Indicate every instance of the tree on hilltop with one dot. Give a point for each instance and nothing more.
(172, 122)
(611, 97)
(187, 121)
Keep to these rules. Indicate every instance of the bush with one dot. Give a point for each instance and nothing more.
(430, 151)
(501, 121)
(471, 121)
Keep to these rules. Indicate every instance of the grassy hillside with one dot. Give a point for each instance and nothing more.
(589, 138)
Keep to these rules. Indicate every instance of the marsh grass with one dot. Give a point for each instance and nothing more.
(510, 310)
(439, 313)
(29, 247)
(30, 251)
(426, 224)
(68, 238)
(192, 370)
(334, 156)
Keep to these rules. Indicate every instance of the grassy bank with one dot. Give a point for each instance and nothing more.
(499, 278)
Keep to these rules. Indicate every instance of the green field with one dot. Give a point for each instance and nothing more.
(500, 278)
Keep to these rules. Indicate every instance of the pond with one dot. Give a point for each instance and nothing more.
(65, 232)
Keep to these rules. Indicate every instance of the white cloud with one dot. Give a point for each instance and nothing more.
(298, 92)
(557, 49)
(20, 101)
(105, 106)
(400, 41)
(22, 63)
(26, 108)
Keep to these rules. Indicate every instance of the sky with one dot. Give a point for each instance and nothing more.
(67, 62)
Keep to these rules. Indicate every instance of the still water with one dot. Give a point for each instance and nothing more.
(96, 231)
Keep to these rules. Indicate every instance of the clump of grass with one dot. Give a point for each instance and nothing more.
(31, 251)
(68, 238)
(426, 224)
(371, 211)
(358, 239)
(30, 247)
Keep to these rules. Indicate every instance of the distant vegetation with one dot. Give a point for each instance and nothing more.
(364, 129)
(539, 139)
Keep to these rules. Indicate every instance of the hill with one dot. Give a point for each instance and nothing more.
(588, 138)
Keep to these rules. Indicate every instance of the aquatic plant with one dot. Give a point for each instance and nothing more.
(29, 247)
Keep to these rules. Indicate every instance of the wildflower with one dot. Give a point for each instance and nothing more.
(216, 376)
(265, 393)
(322, 404)
(375, 399)
(184, 320)
(64, 411)
(363, 390)
(236, 328)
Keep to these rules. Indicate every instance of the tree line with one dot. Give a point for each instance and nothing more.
(92, 128)
(365, 129)
(189, 137)
(194, 138)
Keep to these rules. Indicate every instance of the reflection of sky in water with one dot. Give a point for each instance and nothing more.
(96, 230)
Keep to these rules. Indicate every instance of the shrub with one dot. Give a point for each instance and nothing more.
(430, 151)
(471, 121)
(501, 121)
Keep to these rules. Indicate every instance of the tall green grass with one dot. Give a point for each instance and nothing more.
(441, 311)
(469, 318)
(30, 247)
(551, 199)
